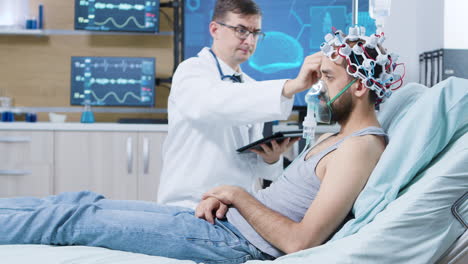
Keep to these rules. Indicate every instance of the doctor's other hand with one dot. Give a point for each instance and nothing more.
(209, 208)
(272, 154)
(308, 75)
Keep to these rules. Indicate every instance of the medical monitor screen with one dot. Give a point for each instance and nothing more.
(294, 29)
(117, 15)
(113, 81)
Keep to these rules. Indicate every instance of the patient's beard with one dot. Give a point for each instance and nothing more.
(342, 108)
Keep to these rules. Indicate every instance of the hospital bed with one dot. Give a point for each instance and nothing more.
(414, 208)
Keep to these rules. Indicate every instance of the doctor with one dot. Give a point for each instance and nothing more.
(214, 108)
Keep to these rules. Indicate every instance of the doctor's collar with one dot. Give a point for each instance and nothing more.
(236, 77)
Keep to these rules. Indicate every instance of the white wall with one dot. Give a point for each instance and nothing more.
(456, 24)
(413, 27)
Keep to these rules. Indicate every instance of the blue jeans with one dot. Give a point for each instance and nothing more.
(86, 218)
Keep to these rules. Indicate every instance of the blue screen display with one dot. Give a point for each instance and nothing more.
(113, 81)
(294, 29)
(117, 15)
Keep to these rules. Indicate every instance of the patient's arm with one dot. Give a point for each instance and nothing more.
(345, 176)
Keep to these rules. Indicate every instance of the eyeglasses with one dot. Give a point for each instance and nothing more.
(243, 33)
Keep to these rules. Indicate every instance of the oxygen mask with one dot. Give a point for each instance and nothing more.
(318, 110)
(318, 102)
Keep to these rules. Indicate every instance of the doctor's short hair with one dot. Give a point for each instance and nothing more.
(240, 7)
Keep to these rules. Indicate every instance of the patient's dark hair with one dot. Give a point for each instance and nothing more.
(240, 7)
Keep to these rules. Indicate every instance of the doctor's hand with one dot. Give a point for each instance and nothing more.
(308, 75)
(209, 208)
(272, 154)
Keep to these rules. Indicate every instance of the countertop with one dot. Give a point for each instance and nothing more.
(69, 126)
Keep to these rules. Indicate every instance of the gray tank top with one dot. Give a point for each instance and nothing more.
(293, 193)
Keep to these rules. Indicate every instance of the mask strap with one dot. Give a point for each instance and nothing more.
(340, 93)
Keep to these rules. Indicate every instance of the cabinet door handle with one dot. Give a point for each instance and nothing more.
(14, 172)
(146, 155)
(15, 139)
(129, 155)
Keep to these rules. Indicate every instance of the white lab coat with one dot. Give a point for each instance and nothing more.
(208, 120)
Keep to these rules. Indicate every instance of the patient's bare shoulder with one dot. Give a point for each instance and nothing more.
(365, 150)
(373, 143)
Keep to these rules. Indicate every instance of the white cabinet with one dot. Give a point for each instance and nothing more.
(149, 164)
(26, 163)
(120, 161)
(102, 162)
(119, 165)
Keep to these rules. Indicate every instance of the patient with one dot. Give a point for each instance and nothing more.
(299, 211)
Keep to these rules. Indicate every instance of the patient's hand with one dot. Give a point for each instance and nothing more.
(209, 208)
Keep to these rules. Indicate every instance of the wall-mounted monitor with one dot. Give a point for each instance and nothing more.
(294, 29)
(117, 15)
(113, 81)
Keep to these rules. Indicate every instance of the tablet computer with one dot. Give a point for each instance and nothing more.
(278, 136)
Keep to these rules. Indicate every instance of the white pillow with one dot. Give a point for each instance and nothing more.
(395, 108)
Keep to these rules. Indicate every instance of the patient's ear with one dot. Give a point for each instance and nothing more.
(359, 89)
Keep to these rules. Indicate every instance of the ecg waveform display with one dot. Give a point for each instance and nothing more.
(117, 15)
(294, 29)
(113, 81)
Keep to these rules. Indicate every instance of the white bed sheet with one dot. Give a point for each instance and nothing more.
(43, 254)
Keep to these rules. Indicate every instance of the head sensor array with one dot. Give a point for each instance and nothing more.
(360, 64)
